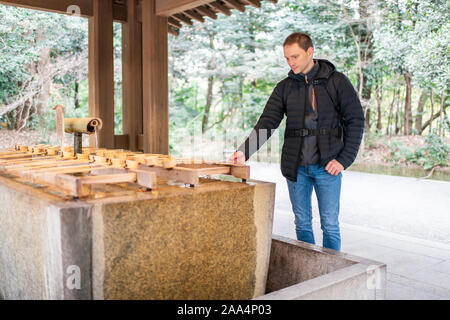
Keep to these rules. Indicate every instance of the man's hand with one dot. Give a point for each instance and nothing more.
(334, 167)
(238, 157)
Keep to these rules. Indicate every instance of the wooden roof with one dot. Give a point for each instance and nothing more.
(185, 12)
(178, 12)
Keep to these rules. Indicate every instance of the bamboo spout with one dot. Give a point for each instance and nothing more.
(75, 126)
(83, 125)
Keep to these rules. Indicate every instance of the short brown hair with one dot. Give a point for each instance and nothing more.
(302, 39)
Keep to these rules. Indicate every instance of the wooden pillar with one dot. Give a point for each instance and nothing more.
(101, 70)
(132, 114)
(155, 68)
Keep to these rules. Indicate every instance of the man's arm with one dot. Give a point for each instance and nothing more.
(353, 115)
(269, 121)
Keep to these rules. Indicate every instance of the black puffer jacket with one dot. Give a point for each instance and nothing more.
(342, 147)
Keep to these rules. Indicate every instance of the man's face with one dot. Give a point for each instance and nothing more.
(298, 59)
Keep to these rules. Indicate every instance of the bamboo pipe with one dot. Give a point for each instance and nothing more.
(84, 125)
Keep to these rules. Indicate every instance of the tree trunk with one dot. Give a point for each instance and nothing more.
(430, 121)
(432, 111)
(22, 116)
(441, 122)
(407, 117)
(209, 98)
(420, 106)
(76, 96)
(43, 95)
(397, 119)
(391, 110)
(209, 94)
(379, 96)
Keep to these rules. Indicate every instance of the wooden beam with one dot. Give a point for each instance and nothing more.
(235, 4)
(254, 3)
(207, 12)
(194, 15)
(132, 114)
(120, 12)
(173, 31)
(101, 71)
(168, 8)
(182, 18)
(155, 63)
(57, 6)
(65, 6)
(122, 142)
(221, 8)
(174, 23)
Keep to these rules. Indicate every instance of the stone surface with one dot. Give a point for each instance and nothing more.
(299, 270)
(208, 242)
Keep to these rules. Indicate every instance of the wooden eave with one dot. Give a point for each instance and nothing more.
(178, 12)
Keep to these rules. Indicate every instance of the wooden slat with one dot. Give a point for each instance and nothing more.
(101, 71)
(194, 15)
(183, 18)
(27, 163)
(207, 12)
(235, 4)
(8, 152)
(221, 8)
(113, 178)
(155, 64)
(187, 177)
(168, 8)
(44, 164)
(57, 6)
(174, 23)
(66, 170)
(132, 114)
(255, 3)
(61, 6)
(120, 13)
(191, 175)
(173, 31)
(16, 156)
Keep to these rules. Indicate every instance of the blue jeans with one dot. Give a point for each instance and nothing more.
(328, 192)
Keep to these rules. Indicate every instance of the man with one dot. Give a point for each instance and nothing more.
(324, 128)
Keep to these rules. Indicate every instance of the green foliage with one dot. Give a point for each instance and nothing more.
(434, 153)
(243, 56)
(372, 139)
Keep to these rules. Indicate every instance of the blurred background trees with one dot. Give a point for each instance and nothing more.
(396, 53)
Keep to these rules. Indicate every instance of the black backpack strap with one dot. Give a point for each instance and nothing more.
(332, 92)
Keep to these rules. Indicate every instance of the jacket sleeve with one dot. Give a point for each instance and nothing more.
(268, 122)
(353, 118)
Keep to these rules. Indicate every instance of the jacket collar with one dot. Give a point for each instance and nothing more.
(322, 69)
(301, 77)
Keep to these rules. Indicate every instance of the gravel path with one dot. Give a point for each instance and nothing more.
(407, 206)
